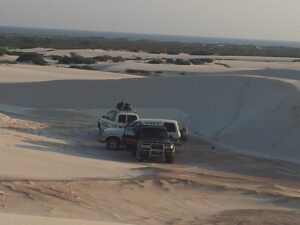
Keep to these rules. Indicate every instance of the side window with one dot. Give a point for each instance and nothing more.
(122, 119)
(129, 131)
(170, 127)
(131, 118)
(108, 115)
(113, 116)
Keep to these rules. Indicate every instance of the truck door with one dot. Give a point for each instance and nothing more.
(129, 136)
(105, 123)
(122, 120)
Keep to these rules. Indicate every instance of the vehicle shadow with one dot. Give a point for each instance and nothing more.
(74, 140)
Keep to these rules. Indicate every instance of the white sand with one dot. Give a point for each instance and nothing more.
(29, 73)
(12, 219)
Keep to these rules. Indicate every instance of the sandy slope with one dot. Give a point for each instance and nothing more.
(12, 219)
(28, 73)
(52, 165)
(36, 149)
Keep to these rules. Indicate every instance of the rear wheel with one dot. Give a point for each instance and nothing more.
(113, 143)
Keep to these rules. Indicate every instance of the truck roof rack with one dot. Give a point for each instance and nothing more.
(124, 106)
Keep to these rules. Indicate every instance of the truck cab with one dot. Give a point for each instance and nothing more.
(116, 119)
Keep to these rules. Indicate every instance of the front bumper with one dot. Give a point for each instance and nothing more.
(157, 150)
(101, 138)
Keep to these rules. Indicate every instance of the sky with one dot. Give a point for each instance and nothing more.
(249, 19)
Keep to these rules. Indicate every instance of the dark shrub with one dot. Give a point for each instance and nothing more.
(182, 62)
(138, 58)
(76, 59)
(2, 51)
(201, 61)
(223, 64)
(138, 72)
(82, 67)
(32, 57)
(56, 57)
(107, 58)
(170, 61)
(156, 61)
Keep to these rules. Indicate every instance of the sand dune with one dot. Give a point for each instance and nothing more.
(251, 114)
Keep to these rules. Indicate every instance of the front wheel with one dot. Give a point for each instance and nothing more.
(113, 144)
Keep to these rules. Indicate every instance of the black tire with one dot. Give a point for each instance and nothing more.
(169, 159)
(99, 127)
(113, 143)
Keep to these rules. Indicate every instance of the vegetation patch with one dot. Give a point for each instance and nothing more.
(157, 47)
(85, 67)
(108, 58)
(139, 72)
(56, 57)
(182, 62)
(76, 59)
(223, 64)
(201, 61)
(157, 61)
(2, 51)
(32, 57)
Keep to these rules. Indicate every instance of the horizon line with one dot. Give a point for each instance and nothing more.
(150, 34)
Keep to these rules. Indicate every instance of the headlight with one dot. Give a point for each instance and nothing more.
(171, 147)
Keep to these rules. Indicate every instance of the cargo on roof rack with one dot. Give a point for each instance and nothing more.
(124, 106)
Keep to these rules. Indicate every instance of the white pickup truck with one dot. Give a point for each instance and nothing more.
(117, 119)
(113, 137)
